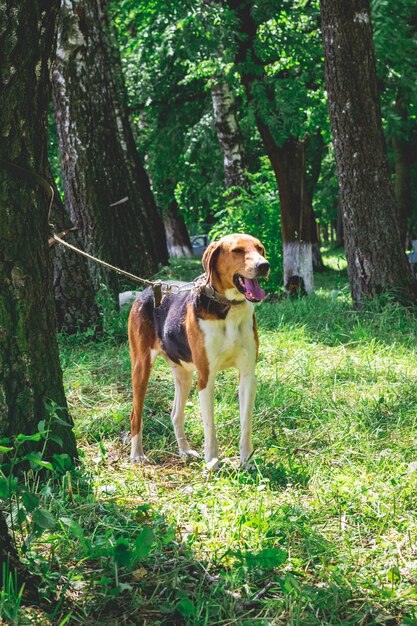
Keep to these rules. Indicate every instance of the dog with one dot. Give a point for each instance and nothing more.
(207, 328)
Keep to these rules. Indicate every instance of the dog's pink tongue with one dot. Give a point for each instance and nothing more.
(253, 290)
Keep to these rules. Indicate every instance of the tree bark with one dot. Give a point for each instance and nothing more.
(405, 155)
(30, 372)
(229, 135)
(340, 238)
(74, 292)
(288, 162)
(178, 239)
(297, 224)
(374, 250)
(107, 191)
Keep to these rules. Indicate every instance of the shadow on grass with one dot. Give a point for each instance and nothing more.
(296, 577)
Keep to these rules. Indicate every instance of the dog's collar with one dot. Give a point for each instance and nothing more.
(210, 292)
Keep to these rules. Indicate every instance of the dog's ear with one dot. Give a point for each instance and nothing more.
(209, 258)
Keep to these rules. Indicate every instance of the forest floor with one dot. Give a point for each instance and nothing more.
(322, 531)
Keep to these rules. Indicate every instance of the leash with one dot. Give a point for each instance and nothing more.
(159, 288)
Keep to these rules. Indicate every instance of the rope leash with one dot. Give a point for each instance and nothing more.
(159, 288)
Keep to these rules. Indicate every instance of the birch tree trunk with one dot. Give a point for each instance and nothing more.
(228, 134)
(30, 372)
(107, 190)
(374, 250)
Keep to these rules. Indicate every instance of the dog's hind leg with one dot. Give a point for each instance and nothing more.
(141, 370)
(142, 356)
(182, 380)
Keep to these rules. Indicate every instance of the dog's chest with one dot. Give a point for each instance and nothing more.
(231, 341)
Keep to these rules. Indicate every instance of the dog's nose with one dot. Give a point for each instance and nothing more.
(262, 268)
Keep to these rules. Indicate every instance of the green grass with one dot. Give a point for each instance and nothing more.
(323, 531)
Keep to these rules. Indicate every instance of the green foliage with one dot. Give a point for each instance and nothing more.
(10, 597)
(291, 99)
(170, 61)
(326, 194)
(322, 531)
(114, 323)
(25, 508)
(255, 211)
(395, 37)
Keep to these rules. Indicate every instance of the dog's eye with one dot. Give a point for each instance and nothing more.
(260, 250)
(238, 250)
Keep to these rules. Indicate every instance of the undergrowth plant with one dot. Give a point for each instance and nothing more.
(322, 531)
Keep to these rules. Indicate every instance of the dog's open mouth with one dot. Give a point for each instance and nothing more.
(249, 287)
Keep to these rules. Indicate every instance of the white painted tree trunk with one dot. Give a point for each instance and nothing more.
(298, 262)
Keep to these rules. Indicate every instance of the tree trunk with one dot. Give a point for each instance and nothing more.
(405, 156)
(340, 238)
(178, 239)
(30, 373)
(297, 224)
(228, 134)
(402, 186)
(107, 191)
(74, 292)
(374, 250)
(288, 161)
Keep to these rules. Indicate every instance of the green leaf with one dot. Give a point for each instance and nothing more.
(62, 462)
(268, 558)
(186, 607)
(43, 518)
(41, 426)
(4, 449)
(73, 527)
(4, 489)
(394, 575)
(30, 501)
(121, 552)
(56, 438)
(34, 437)
(143, 545)
(33, 458)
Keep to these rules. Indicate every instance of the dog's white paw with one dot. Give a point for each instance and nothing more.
(248, 466)
(213, 464)
(246, 461)
(190, 453)
(139, 458)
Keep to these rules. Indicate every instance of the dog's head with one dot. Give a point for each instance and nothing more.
(235, 262)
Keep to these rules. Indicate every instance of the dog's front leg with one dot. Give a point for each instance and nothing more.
(247, 392)
(211, 447)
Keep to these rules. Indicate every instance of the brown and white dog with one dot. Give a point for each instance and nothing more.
(206, 329)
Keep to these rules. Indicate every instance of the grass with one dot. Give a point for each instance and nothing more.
(323, 531)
